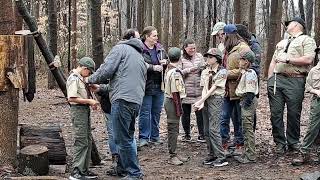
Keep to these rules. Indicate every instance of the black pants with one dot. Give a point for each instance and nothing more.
(186, 119)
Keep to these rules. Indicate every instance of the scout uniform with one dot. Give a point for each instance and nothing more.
(287, 87)
(248, 84)
(173, 84)
(212, 109)
(313, 82)
(80, 115)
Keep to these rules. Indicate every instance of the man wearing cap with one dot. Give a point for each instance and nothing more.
(80, 99)
(286, 83)
(218, 32)
(125, 68)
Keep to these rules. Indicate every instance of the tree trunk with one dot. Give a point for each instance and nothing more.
(242, 12)
(97, 45)
(317, 23)
(9, 102)
(226, 12)
(301, 9)
(88, 31)
(275, 34)
(141, 15)
(149, 12)
(74, 34)
(252, 16)
(209, 24)
(202, 28)
(293, 9)
(129, 13)
(165, 39)
(177, 22)
(195, 19)
(309, 14)
(186, 32)
(52, 37)
(157, 17)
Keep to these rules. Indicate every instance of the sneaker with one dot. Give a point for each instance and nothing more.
(238, 150)
(175, 161)
(301, 160)
(186, 138)
(219, 162)
(201, 139)
(90, 175)
(142, 142)
(209, 161)
(294, 147)
(115, 171)
(156, 142)
(243, 159)
(76, 175)
(280, 149)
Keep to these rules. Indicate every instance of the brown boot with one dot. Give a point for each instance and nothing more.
(301, 159)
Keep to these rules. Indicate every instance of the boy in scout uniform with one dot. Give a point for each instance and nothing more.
(313, 87)
(174, 92)
(286, 84)
(213, 80)
(80, 100)
(247, 89)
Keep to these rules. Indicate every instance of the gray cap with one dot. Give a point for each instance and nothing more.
(174, 53)
(217, 27)
(296, 19)
(88, 62)
(214, 52)
(248, 55)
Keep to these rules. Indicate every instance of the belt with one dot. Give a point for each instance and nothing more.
(294, 75)
(81, 105)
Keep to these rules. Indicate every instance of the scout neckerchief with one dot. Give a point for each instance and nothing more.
(86, 87)
(289, 42)
(211, 74)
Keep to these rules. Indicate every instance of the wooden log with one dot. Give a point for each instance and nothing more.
(50, 137)
(33, 160)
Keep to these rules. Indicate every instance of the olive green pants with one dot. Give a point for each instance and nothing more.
(247, 116)
(172, 126)
(313, 126)
(290, 92)
(82, 135)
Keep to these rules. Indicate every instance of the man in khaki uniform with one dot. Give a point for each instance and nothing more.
(80, 99)
(174, 92)
(286, 83)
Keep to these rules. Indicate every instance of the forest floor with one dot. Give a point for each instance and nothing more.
(49, 108)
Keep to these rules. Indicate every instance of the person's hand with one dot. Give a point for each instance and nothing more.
(163, 61)
(94, 87)
(198, 105)
(93, 102)
(317, 92)
(158, 68)
(193, 69)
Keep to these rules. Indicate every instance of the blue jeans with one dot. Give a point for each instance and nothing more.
(123, 116)
(149, 117)
(112, 145)
(231, 109)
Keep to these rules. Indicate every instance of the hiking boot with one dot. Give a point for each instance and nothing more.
(186, 138)
(90, 175)
(175, 161)
(183, 159)
(209, 160)
(219, 162)
(280, 149)
(76, 175)
(142, 142)
(156, 142)
(294, 147)
(238, 150)
(201, 139)
(244, 159)
(301, 159)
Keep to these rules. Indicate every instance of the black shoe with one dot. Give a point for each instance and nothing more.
(201, 139)
(280, 149)
(186, 138)
(76, 175)
(294, 147)
(209, 161)
(220, 162)
(90, 175)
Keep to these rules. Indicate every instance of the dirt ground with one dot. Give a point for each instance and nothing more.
(49, 108)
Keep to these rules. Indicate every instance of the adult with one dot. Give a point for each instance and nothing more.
(149, 117)
(125, 68)
(234, 44)
(190, 67)
(286, 83)
(220, 38)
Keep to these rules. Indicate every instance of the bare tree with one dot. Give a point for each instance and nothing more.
(252, 16)
(157, 16)
(196, 18)
(301, 9)
(309, 14)
(293, 9)
(209, 24)
(141, 15)
(165, 37)
(88, 30)
(187, 19)
(129, 4)
(275, 33)
(177, 21)
(242, 11)
(149, 5)
(317, 22)
(74, 34)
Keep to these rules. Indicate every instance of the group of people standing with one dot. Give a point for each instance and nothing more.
(139, 77)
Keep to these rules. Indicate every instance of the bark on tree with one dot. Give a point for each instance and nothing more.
(177, 22)
(214, 40)
(187, 19)
(317, 22)
(88, 30)
(129, 4)
(9, 102)
(309, 14)
(301, 9)
(157, 16)
(165, 39)
(293, 9)
(141, 15)
(52, 37)
(202, 28)
(97, 45)
(196, 19)
(226, 12)
(74, 34)
(242, 11)
(252, 16)
(149, 5)
(209, 24)
(275, 33)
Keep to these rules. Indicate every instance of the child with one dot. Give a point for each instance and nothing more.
(79, 99)
(247, 89)
(313, 87)
(213, 80)
(174, 92)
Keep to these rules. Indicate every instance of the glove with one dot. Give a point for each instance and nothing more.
(247, 100)
(158, 68)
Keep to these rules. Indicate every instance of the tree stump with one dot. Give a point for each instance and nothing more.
(33, 160)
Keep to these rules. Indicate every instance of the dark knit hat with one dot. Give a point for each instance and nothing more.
(248, 55)
(174, 53)
(297, 19)
(243, 31)
(88, 62)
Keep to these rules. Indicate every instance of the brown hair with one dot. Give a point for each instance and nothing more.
(232, 40)
(130, 33)
(185, 44)
(146, 32)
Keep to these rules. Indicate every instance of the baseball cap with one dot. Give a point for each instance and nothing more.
(296, 19)
(174, 53)
(87, 62)
(248, 55)
(230, 29)
(217, 27)
(214, 52)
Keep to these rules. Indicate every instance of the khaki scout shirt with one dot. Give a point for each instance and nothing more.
(301, 45)
(219, 80)
(174, 83)
(76, 87)
(248, 83)
(313, 79)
